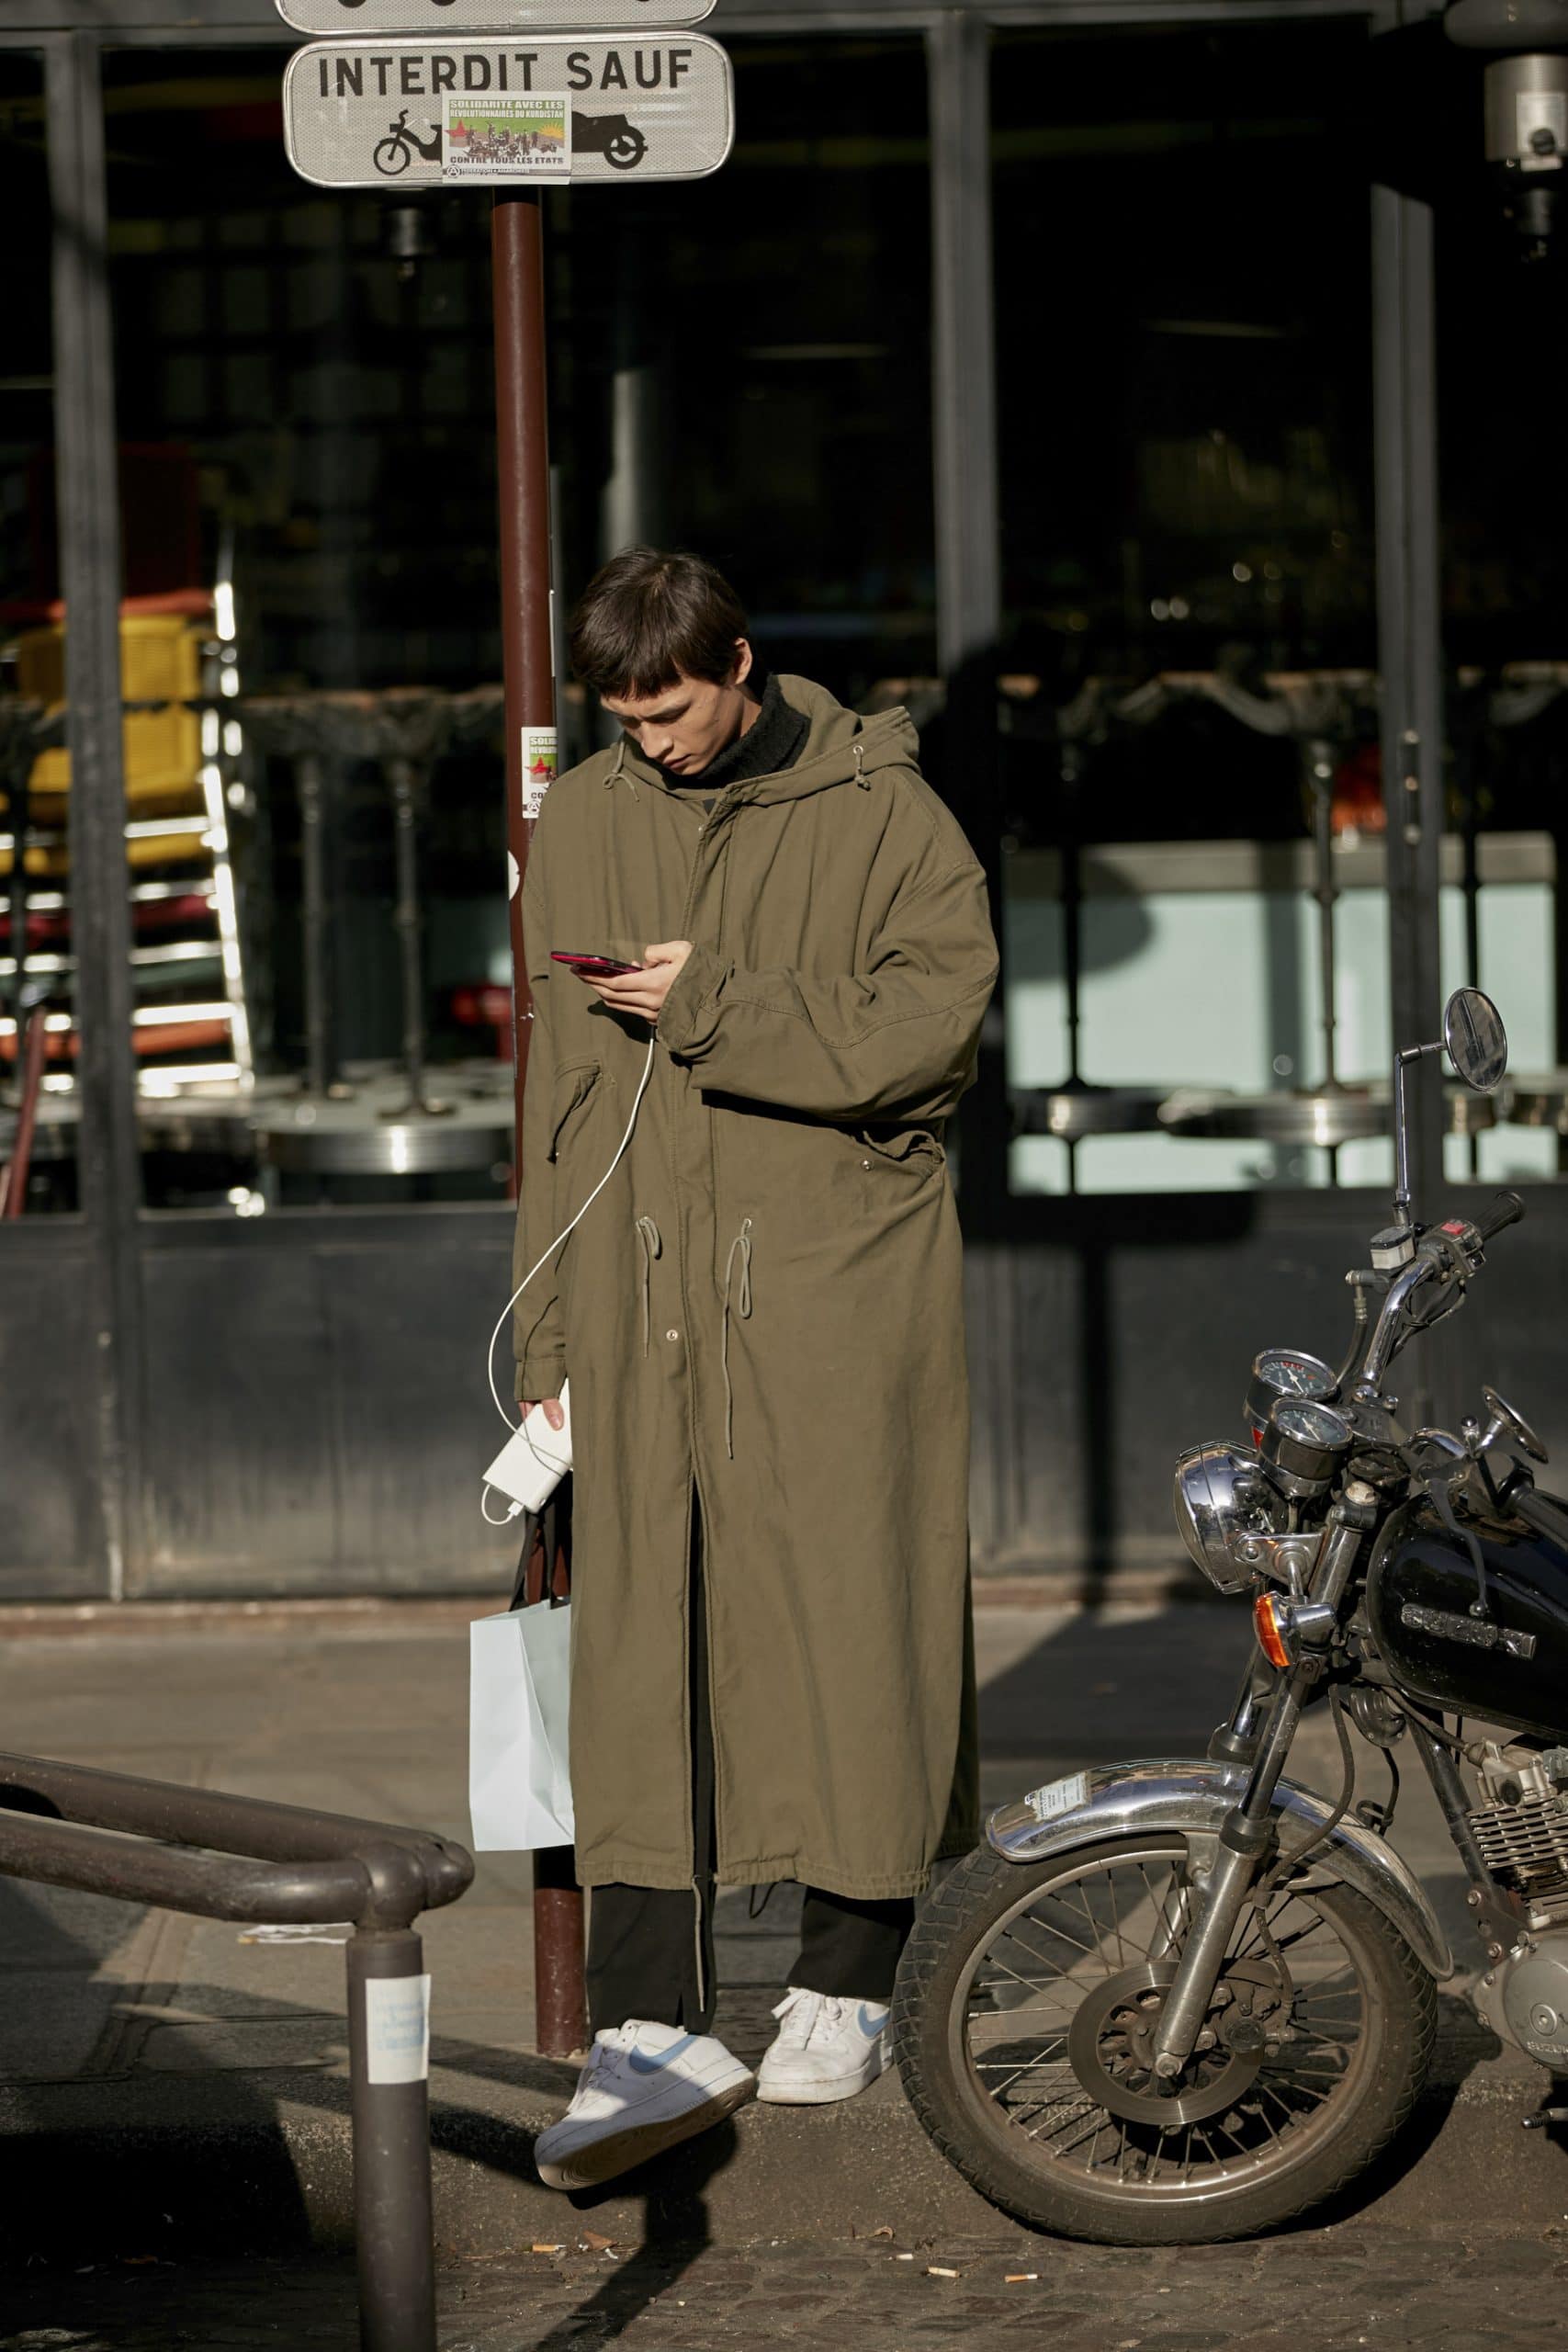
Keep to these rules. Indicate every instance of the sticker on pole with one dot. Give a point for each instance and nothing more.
(538, 768)
(413, 113)
(371, 18)
(397, 2029)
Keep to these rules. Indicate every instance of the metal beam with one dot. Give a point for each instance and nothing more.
(168, 22)
(88, 500)
(968, 557)
(963, 383)
(1410, 641)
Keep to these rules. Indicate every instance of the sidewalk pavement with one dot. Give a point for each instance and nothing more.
(166, 2084)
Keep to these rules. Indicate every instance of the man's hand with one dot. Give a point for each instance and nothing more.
(550, 1406)
(643, 992)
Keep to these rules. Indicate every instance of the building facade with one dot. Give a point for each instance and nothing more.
(1070, 373)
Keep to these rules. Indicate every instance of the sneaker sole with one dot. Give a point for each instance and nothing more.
(620, 2152)
(817, 2094)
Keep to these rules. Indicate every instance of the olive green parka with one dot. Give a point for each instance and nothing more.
(762, 1315)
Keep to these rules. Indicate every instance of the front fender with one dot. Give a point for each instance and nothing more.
(1195, 1794)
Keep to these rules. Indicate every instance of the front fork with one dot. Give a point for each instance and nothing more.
(1263, 1731)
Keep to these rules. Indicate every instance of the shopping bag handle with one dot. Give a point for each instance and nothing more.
(547, 1539)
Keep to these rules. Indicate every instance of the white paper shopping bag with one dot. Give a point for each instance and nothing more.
(519, 1692)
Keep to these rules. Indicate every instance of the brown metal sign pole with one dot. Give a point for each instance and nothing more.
(523, 493)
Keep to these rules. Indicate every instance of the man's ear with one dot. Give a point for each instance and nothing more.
(745, 661)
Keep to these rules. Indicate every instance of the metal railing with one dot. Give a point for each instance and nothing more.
(241, 1858)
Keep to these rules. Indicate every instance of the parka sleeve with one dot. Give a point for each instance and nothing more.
(539, 1337)
(896, 1039)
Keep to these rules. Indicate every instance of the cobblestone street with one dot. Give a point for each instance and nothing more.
(1322, 2290)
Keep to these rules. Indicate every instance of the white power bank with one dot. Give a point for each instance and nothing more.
(534, 1459)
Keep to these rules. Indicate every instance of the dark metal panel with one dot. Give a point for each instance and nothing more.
(319, 1418)
(317, 1413)
(1116, 1332)
(51, 1521)
(108, 1163)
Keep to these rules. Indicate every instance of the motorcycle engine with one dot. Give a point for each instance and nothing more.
(1522, 1832)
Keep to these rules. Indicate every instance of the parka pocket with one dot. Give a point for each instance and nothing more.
(574, 1083)
(915, 1150)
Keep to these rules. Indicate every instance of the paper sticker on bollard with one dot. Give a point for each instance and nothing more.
(397, 2029)
(415, 113)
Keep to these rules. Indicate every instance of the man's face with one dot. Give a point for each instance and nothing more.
(686, 726)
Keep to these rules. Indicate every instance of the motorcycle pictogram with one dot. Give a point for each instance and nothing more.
(393, 154)
(621, 143)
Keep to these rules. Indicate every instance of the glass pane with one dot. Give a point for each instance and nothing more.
(34, 911)
(1184, 355)
(305, 404)
(743, 364)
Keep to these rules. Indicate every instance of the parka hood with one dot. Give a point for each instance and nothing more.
(842, 748)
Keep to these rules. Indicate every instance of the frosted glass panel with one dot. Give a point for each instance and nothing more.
(1219, 987)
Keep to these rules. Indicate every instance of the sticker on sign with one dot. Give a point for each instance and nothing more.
(506, 138)
(370, 19)
(410, 113)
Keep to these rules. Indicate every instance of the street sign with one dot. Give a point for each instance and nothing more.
(533, 109)
(373, 20)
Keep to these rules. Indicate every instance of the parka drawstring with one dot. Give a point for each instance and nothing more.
(652, 1247)
(742, 1245)
(618, 773)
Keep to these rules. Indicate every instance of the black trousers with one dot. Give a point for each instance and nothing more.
(650, 1951)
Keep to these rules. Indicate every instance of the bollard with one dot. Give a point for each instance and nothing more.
(389, 2047)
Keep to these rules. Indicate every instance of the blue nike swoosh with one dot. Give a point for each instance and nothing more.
(641, 2065)
(872, 2021)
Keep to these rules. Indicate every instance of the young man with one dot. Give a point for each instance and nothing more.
(762, 1320)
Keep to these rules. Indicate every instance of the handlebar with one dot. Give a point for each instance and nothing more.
(1506, 1209)
(1393, 1328)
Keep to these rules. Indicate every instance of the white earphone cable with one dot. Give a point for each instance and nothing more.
(566, 1232)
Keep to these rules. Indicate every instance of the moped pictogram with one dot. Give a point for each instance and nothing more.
(393, 154)
(621, 143)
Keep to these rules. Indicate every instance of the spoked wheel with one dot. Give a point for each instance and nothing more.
(1026, 2007)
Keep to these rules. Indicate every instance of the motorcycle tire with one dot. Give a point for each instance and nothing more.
(952, 1936)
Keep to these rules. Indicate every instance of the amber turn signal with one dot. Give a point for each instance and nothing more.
(1268, 1618)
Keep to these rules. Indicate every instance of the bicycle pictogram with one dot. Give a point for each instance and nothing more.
(395, 153)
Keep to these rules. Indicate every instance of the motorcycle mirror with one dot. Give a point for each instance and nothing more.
(1476, 1040)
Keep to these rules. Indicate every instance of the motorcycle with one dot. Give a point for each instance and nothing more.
(1179, 2001)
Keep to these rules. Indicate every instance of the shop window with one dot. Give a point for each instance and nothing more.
(743, 364)
(38, 1036)
(306, 412)
(1182, 240)
(305, 399)
(1502, 339)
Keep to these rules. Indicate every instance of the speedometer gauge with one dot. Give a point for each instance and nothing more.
(1306, 1442)
(1284, 1372)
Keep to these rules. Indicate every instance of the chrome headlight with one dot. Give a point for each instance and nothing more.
(1222, 1491)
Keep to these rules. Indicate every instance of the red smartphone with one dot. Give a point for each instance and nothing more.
(597, 968)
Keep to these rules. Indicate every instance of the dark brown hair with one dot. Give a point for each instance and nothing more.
(649, 617)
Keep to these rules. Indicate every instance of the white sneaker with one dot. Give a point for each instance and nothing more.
(825, 2049)
(644, 2088)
